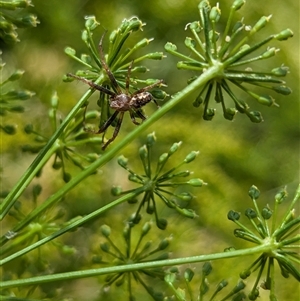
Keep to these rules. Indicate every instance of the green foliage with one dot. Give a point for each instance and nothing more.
(74, 216)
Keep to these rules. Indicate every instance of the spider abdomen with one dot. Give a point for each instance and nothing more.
(139, 100)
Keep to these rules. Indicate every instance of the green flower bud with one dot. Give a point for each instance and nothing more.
(280, 71)
(240, 285)
(174, 148)
(262, 22)
(70, 51)
(266, 213)
(185, 196)
(116, 190)
(254, 193)
(237, 4)
(85, 36)
(159, 94)
(16, 75)
(194, 26)
(163, 158)
(188, 275)
(186, 212)
(66, 177)
(255, 116)
(91, 22)
(196, 182)
(184, 173)
(233, 215)
(191, 156)
(215, 14)
(37, 189)
(269, 53)
(266, 100)
(9, 129)
(164, 244)
(254, 294)
(135, 24)
(169, 47)
(282, 90)
(209, 114)
(17, 109)
(143, 152)
(221, 285)
(86, 58)
(170, 278)
(206, 269)
(67, 250)
(104, 247)
(190, 43)
(284, 35)
(229, 113)
(54, 100)
(250, 213)
(146, 228)
(155, 56)
(281, 196)
(122, 161)
(162, 223)
(198, 101)
(105, 230)
(151, 139)
(245, 274)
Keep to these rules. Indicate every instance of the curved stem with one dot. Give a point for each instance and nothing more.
(71, 226)
(40, 159)
(132, 267)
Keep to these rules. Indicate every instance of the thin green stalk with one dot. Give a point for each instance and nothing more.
(71, 226)
(115, 149)
(132, 267)
(40, 159)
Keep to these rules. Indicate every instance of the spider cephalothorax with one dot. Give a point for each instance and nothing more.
(120, 101)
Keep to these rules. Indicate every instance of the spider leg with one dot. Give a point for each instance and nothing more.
(107, 123)
(93, 85)
(128, 77)
(133, 119)
(116, 131)
(159, 82)
(106, 68)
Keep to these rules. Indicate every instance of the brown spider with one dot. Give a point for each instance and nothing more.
(120, 101)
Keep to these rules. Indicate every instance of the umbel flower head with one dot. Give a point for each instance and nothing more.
(67, 147)
(281, 239)
(141, 251)
(234, 52)
(158, 183)
(220, 293)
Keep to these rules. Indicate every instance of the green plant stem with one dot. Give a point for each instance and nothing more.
(133, 267)
(72, 226)
(110, 153)
(40, 160)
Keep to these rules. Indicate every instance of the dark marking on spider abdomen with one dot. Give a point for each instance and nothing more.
(139, 100)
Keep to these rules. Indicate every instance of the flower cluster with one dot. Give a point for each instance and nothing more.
(9, 23)
(231, 51)
(235, 294)
(118, 60)
(138, 253)
(67, 146)
(155, 182)
(280, 239)
(9, 96)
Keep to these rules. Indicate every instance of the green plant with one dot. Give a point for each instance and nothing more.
(39, 232)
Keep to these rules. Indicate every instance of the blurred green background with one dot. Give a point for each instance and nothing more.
(233, 155)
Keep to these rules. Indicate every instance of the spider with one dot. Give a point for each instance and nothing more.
(120, 101)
